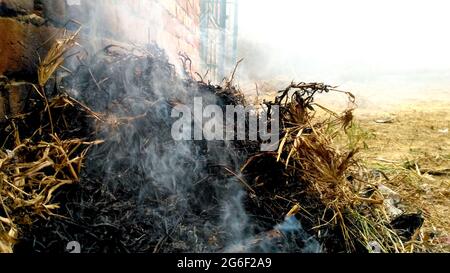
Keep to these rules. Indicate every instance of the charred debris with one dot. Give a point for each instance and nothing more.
(88, 157)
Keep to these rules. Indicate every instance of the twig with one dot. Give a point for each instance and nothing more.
(231, 78)
(240, 179)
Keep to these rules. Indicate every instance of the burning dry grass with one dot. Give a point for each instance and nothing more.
(45, 148)
(315, 172)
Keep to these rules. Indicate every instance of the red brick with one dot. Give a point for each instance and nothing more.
(18, 46)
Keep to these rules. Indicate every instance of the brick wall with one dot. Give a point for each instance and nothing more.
(172, 24)
(26, 24)
(181, 29)
(23, 36)
(27, 28)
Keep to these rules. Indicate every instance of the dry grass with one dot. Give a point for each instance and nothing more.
(29, 175)
(321, 149)
(414, 152)
(34, 165)
(56, 55)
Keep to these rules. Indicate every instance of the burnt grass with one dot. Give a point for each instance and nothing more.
(123, 203)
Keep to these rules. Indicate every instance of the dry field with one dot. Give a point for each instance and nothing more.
(410, 143)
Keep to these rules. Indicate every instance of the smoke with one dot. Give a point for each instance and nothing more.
(385, 52)
(175, 193)
(170, 182)
(288, 236)
(137, 22)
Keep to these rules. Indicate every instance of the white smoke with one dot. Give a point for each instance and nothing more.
(383, 51)
(164, 177)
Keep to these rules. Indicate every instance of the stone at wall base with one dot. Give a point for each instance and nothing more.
(13, 98)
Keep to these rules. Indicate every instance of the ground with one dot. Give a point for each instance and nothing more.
(413, 149)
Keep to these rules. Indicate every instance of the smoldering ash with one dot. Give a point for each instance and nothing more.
(168, 182)
(179, 189)
(237, 122)
(164, 190)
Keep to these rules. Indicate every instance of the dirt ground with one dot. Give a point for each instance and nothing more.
(411, 144)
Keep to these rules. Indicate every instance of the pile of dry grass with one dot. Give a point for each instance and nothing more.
(47, 147)
(30, 174)
(311, 171)
(35, 160)
(336, 192)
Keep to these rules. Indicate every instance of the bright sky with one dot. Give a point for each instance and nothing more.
(353, 42)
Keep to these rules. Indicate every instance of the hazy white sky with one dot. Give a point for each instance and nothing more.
(353, 42)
